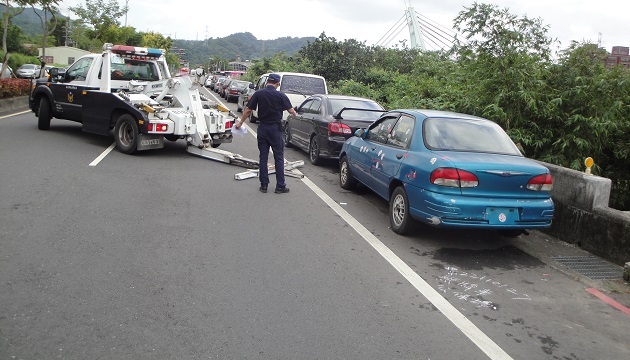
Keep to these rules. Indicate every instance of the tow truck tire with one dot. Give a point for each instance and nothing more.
(44, 116)
(126, 134)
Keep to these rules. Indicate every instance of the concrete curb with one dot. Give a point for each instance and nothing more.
(13, 105)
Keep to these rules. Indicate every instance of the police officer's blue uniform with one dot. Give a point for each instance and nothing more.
(271, 104)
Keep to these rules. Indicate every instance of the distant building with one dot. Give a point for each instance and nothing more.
(239, 65)
(62, 55)
(620, 56)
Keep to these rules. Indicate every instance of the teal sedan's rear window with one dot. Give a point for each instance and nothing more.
(467, 135)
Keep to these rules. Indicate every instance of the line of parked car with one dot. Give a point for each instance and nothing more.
(232, 90)
(438, 168)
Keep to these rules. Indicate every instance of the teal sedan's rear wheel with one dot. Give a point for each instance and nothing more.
(399, 217)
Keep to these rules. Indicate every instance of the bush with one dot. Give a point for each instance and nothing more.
(14, 87)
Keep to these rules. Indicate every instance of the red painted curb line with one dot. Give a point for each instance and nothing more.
(608, 300)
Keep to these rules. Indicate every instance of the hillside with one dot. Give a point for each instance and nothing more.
(28, 20)
(243, 45)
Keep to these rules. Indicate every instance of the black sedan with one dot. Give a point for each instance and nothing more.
(324, 122)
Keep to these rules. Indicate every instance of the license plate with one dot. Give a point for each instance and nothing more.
(502, 216)
(150, 141)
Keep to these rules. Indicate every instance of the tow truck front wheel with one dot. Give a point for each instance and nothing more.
(126, 134)
(43, 115)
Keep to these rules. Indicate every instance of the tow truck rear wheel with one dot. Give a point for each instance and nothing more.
(44, 116)
(126, 134)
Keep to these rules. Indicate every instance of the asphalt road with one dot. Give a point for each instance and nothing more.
(163, 255)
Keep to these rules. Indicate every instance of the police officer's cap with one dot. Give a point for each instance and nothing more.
(274, 78)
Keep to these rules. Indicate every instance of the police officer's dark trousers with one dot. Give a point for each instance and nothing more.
(270, 135)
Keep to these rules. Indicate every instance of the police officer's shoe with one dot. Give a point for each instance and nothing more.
(263, 188)
(282, 190)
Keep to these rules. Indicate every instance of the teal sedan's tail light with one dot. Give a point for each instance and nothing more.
(452, 177)
(542, 182)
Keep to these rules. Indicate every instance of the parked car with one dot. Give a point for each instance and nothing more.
(28, 71)
(448, 170)
(296, 86)
(212, 80)
(224, 84)
(218, 84)
(244, 97)
(324, 122)
(8, 72)
(235, 88)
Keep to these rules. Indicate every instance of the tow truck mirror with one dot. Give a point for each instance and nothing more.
(55, 75)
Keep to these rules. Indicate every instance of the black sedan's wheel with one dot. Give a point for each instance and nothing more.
(126, 134)
(399, 218)
(346, 180)
(286, 135)
(44, 115)
(313, 151)
(252, 119)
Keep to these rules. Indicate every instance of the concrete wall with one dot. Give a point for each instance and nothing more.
(13, 105)
(582, 216)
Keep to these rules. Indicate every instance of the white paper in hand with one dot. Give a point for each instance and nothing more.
(239, 132)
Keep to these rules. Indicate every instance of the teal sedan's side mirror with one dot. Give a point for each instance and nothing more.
(359, 133)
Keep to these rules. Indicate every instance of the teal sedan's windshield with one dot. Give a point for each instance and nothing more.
(467, 135)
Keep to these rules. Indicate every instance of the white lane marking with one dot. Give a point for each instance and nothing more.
(103, 154)
(478, 337)
(466, 326)
(18, 113)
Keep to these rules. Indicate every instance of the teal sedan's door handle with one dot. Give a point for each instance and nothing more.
(373, 148)
(399, 156)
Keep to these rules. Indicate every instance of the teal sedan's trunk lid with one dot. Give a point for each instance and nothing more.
(500, 176)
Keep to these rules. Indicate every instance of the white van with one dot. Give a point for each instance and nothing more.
(297, 87)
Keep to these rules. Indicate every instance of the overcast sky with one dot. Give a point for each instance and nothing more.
(363, 20)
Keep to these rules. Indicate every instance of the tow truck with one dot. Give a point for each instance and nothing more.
(139, 100)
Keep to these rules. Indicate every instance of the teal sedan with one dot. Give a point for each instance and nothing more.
(448, 170)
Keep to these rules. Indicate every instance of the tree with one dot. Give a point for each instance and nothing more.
(156, 40)
(335, 60)
(101, 15)
(48, 6)
(503, 61)
(12, 8)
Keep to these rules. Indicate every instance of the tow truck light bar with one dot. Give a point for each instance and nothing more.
(138, 53)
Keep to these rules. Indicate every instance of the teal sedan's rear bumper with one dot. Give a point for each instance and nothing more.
(475, 212)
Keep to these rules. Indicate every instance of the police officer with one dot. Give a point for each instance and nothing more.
(271, 104)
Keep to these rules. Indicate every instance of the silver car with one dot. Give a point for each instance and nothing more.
(8, 72)
(28, 71)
